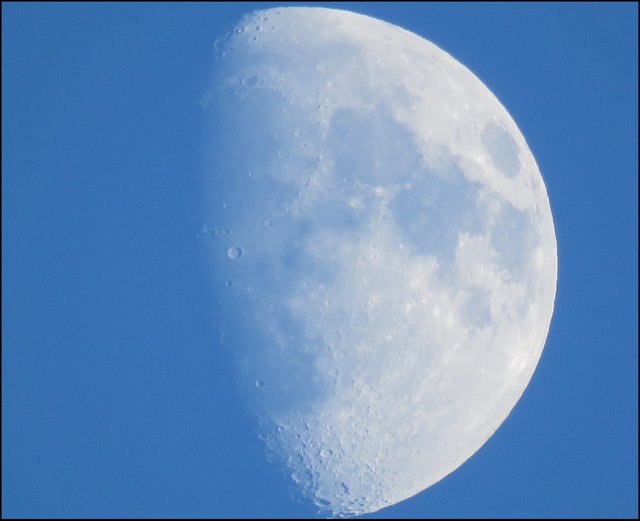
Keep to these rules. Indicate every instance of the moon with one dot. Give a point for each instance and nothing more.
(383, 251)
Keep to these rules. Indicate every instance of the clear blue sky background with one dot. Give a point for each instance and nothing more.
(116, 400)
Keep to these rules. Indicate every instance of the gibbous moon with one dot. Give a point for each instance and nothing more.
(384, 255)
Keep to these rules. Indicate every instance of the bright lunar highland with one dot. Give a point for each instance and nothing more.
(384, 255)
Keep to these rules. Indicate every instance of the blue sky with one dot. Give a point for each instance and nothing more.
(116, 400)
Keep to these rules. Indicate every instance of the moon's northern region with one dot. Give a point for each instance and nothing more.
(384, 255)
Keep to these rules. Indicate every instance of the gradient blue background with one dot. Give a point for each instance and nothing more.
(116, 400)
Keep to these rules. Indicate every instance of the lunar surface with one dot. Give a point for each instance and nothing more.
(384, 255)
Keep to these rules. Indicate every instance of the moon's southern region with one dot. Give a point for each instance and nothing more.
(384, 255)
